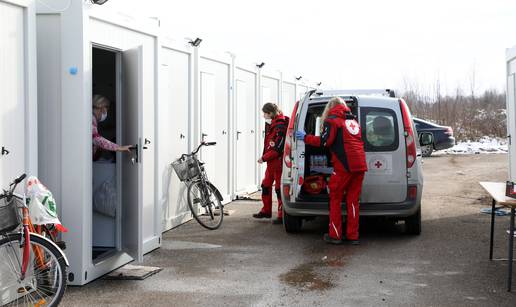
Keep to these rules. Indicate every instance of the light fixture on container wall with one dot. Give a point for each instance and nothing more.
(319, 84)
(260, 65)
(196, 42)
(299, 78)
(99, 2)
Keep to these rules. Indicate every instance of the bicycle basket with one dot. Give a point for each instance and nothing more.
(9, 218)
(187, 168)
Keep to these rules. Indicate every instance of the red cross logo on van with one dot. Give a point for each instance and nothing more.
(352, 126)
(378, 164)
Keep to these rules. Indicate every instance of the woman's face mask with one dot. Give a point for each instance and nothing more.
(103, 116)
(267, 118)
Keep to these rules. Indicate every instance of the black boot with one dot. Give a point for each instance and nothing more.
(261, 215)
(331, 240)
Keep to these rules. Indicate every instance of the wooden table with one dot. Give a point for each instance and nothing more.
(497, 191)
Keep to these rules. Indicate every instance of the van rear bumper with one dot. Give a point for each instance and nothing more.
(403, 209)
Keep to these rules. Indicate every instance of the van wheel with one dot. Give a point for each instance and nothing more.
(427, 150)
(292, 224)
(413, 224)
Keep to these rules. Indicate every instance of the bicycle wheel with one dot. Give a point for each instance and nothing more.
(205, 206)
(45, 280)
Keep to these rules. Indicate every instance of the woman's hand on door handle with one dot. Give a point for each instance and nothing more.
(126, 148)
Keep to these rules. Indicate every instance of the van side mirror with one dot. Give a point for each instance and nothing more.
(426, 139)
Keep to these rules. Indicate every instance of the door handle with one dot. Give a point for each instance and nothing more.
(147, 141)
(238, 133)
(5, 152)
(134, 154)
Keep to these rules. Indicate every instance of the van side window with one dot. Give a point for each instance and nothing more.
(379, 128)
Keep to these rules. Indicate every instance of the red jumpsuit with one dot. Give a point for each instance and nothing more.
(342, 135)
(272, 154)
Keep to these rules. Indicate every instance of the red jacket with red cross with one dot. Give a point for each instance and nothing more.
(343, 136)
(274, 141)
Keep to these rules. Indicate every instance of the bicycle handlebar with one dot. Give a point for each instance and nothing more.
(12, 186)
(198, 148)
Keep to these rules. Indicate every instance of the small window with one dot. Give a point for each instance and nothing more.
(381, 129)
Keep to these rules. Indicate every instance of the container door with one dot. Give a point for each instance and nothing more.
(511, 125)
(132, 211)
(245, 141)
(175, 91)
(12, 94)
(208, 116)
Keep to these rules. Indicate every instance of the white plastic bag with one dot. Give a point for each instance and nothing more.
(42, 206)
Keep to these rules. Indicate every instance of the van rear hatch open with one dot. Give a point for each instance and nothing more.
(383, 135)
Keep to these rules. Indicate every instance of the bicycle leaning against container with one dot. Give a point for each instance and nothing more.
(32, 267)
(204, 199)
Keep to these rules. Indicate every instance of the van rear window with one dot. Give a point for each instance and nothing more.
(379, 129)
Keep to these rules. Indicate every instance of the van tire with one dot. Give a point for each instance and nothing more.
(426, 151)
(413, 223)
(291, 223)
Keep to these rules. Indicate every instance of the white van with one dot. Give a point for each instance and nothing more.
(393, 184)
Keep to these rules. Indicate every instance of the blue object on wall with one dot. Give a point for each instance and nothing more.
(73, 70)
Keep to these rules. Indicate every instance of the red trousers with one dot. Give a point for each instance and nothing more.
(272, 175)
(349, 183)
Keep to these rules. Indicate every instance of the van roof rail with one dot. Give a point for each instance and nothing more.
(382, 92)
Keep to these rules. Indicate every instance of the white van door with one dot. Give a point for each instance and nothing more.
(132, 105)
(511, 125)
(384, 141)
(12, 94)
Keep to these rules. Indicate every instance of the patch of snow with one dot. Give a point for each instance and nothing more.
(485, 145)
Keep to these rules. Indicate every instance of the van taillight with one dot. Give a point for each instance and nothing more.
(449, 131)
(412, 192)
(287, 151)
(286, 190)
(410, 140)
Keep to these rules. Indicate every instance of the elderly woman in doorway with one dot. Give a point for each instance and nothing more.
(100, 110)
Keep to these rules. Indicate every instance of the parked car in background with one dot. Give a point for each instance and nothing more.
(442, 136)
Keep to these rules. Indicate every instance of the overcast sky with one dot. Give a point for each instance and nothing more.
(353, 44)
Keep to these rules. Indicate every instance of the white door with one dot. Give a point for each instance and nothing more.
(245, 134)
(511, 125)
(266, 97)
(173, 127)
(12, 94)
(214, 86)
(208, 127)
(132, 102)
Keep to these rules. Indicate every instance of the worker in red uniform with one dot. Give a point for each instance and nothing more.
(275, 131)
(341, 134)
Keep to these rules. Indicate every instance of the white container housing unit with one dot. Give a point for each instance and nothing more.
(511, 110)
(18, 90)
(107, 201)
(18, 117)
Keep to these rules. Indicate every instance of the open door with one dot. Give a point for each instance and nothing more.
(132, 104)
(511, 128)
